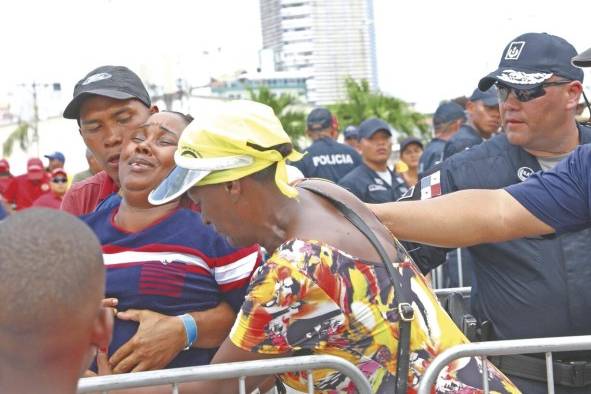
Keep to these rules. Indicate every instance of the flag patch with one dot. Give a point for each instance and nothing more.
(431, 186)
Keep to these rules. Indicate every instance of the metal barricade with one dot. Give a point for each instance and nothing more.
(238, 370)
(503, 348)
(452, 290)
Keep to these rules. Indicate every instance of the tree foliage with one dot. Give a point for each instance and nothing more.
(362, 103)
(19, 135)
(293, 121)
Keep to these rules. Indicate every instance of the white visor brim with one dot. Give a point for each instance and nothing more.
(175, 184)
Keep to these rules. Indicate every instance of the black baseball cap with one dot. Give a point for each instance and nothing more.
(369, 127)
(531, 59)
(488, 97)
(583, 59)
(351, 132)
(319, 119)
(409, 141)
(448, 111)
(116, 82)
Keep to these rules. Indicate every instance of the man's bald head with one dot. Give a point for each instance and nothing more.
(51, 319)
(51, 269)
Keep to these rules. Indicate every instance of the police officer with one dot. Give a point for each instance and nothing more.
(351, 136)
(447, 120)
(373, 181)
(534, 286)
(326, 158)
(584, 59)
(483, 121)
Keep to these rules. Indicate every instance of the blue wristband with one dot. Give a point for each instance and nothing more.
(190, 329)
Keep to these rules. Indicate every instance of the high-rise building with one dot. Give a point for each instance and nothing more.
(329, 40)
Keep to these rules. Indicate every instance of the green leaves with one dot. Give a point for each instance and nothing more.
(292, 119)
(362, 103)
(19, 135)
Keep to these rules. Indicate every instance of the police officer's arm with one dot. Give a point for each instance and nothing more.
(459, 219)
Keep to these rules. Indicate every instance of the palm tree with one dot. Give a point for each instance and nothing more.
(19, 135)
(362, 103)
(293, 120)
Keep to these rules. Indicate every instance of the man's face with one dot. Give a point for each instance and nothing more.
(54, 164)
(353, 143)
(533, 124)
(486, 119)
(105, 122)
(377, 148)
(225, 215)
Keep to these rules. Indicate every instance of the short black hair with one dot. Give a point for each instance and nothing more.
(51, 269)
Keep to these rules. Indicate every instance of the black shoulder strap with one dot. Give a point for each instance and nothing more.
(404, 308)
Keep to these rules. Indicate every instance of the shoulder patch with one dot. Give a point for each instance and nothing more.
(431, 186)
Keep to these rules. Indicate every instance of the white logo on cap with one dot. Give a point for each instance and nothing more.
(96, 77)
(514, 50)
(522, 78)
(524, 172)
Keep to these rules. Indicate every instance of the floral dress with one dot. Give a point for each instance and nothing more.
(311, 298)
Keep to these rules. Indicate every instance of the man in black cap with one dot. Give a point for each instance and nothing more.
(108, 103)
(535, 286)
(351, 136)
(326, 158)
(584, 59)
(447, 120)
(483, 122)
(373, 181)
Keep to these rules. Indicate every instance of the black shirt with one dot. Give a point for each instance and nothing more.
(465, 138)
(369, 187)
(328, 159)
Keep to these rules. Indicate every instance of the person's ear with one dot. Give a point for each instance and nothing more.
(102, 329)
(234, 189)
(154, 109)
(573, 92)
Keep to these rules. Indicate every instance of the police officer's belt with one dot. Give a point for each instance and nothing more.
(568, 374)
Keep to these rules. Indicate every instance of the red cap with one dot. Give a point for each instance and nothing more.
(58, 171)
(35, 169)
(4, 165)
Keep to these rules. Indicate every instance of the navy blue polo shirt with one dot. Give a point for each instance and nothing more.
(560, 197)
(432, 155)
(328, 159)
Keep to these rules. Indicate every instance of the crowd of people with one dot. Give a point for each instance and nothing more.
(213, 240)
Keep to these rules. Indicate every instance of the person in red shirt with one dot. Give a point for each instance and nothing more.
(26, 188)
(108, 103)
(5, 176)
(58, 185)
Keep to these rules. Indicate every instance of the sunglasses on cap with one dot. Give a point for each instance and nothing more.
(525, 95)
(59, 179)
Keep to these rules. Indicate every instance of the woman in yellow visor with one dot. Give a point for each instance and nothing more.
(324, 289)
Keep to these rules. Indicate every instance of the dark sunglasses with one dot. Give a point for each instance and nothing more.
(525, 95)
(59, 180)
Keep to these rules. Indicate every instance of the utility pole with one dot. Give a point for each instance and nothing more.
(35, 124)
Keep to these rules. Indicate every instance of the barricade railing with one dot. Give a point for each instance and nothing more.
(504, 348)
(452, 290)
(238, 370)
